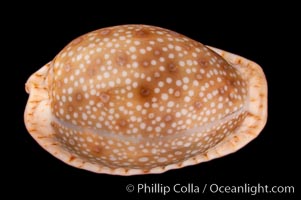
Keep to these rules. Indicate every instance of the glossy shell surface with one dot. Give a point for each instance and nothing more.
(138, 99)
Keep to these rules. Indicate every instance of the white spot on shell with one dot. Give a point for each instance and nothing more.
(143, 159)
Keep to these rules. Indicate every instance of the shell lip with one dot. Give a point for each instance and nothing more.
(37, 118)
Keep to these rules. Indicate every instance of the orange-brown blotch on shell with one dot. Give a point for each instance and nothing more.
(133, 99)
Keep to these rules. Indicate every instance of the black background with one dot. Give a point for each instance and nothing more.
(261, 33)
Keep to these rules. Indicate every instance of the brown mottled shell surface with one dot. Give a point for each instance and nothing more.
(137, 99)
